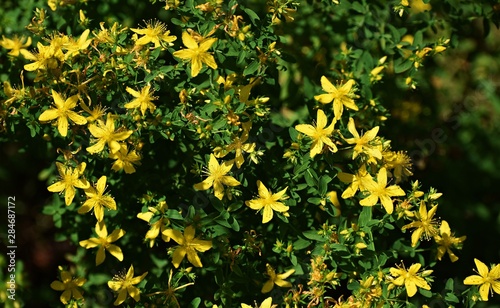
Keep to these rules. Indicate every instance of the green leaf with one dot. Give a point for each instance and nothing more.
(251, 68)
(402, 65)
(195, 303)
(450, 297)
(449, 284)
(301, 244)
(425, 293)
(323, 184)
(313, 235)
(253, 16)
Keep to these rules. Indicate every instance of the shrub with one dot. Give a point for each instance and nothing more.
(229, 153)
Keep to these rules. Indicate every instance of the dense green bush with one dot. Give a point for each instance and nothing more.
(234, 153)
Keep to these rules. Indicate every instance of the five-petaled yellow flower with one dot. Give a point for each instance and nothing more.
(70, 179)
(276, 279)
(104, 242)
(61, 112)
(157, 226)
(125, 159)
(342, 96)
(142, 99)
(124, 285)
(155, 33)
(357, 181)
(362, 144)
(196, 53)
(107, 134)
(425, 224)
(446, 241)
(188, 245)
(96, 199)
(487, 280)
(379, 190)
(70, 286)
(320, 134)
(268, 202)
(217, 177)
(410, 278)
(15, 44)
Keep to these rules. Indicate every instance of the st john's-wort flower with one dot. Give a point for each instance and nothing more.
(268, 202)
(196, 53)
(124, 284)
(62, 112)
(217, 177)
(410, 278)
(341, 96)
(97, 200)
(320, 134)
(188, 245)
(487, 280)
(69, 285)
(70, 179)
(103, 241)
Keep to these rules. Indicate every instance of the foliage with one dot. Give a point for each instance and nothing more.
(226, 153)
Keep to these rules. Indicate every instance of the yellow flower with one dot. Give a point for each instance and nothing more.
(276, 279)
(96, 199)
(379, 190)
(188, 245)
(410, 278)
(400, 162)
(104, 242)
(15, 44)
(70, 286)
(268, 202)
(106, 133)
(446, 240)
(342, 96)
(425, 224)
(196, 53)
(362, 144)
(43, 59)
(125, 160)
(62, 112)
(159, 225)
(217, 177)
(238, 145)
(70, 179)
(488, 280)
(142, 99)
(73, 47)
(124, 285)
(357, 181)
(267, 303)
(319, 134)
(156, 33)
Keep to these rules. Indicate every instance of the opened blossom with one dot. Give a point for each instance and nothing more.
(124, 284)
(143, 99)
(62, 112)
(410, 278)
(217, 177)
(69, 285)
(363, 144)
(70, 179)
(268, 202)
(189, 245)
(340, 96)
(98, 200)
(276, 279)
(380, 191)
(320, 134)
(196, 53)
(106, 133)
(103, 241)
(487, 280)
